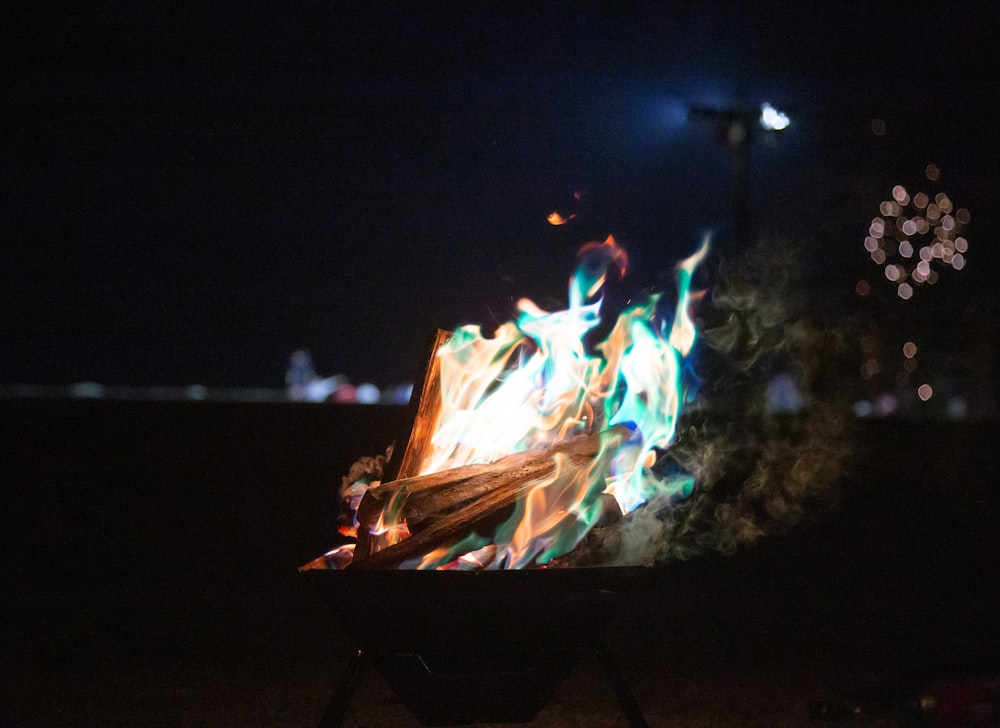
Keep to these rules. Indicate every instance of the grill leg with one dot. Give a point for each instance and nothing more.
(629, 705)
(336, 709)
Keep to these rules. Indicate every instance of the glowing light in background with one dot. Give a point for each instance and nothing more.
(914, 233)
(555, 218)
(914, 237)
(772, 119)
(367, 393)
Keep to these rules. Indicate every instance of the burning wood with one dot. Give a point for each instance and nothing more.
(561, 427)
(443, 506)
(427, 415)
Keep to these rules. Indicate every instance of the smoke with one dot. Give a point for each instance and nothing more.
(758, 471)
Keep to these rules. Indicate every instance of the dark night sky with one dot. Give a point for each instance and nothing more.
(190, 194)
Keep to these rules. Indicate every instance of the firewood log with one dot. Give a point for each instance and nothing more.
(425, 406)
(452, 505)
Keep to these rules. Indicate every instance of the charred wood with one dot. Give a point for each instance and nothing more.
(447, 505)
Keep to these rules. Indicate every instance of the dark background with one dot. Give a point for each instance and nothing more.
(189, 194)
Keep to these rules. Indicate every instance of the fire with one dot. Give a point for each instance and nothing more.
(536, 383)
(555, 218)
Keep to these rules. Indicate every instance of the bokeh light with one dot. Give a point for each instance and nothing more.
(914, 233)
(925, 392)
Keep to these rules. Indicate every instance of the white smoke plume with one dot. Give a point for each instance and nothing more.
(757, 472)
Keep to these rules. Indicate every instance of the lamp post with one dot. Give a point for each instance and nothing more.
(736, 126)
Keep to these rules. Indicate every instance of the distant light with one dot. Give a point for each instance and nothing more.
(925, 392)
(909, 350)
(401, 394)
(772, 119)
(910, 241)
(87, 390)
(932, 172)
(885, 405)
(783, 394)
(367, 393)
(957, 407)
(878, 127)
(345, 394)
(319, 390)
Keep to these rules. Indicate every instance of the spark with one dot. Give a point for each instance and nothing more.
(555, 218)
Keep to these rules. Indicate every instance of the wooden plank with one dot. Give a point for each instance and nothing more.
(425, 403)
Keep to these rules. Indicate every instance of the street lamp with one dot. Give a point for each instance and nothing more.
(736, 127)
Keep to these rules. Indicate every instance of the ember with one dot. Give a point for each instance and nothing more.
(525, 440)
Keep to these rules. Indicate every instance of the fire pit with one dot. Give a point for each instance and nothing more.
(476, 646)
(521, 443)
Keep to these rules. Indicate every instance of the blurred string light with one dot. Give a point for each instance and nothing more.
(914, 235)
(914, 238)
